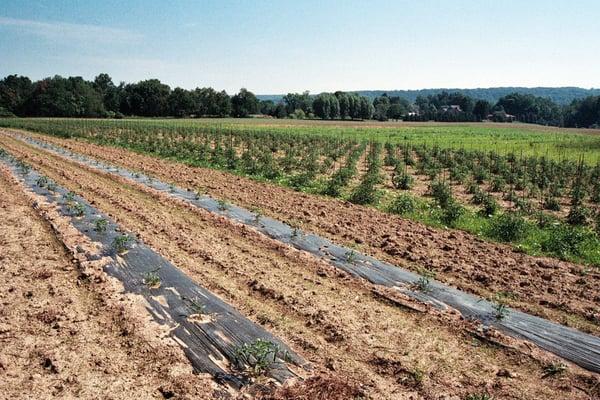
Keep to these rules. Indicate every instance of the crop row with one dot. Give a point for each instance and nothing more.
(540, 204)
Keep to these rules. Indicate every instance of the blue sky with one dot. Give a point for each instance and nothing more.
(282, 46)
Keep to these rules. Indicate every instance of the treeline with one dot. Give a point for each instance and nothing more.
(76, 97)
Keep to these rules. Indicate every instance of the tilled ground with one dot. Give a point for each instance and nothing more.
(332, 319)
(556, 290)
(62, 337)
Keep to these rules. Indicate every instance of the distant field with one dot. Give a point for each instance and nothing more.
(521, 139)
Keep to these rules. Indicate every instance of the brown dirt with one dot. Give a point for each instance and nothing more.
(64, 337)
(553, 289)
(331, 319)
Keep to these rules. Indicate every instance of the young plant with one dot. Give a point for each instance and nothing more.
(120, 243)
(402, 205)
(479, 396)
(258, 214)
(152, 279)
(77, 209)
(196, 306)
(500, 307)
(42, 181)
(100, 225)
(259, 356)
(423, 284)
(350, 256)
(554, 369)
(222, 205)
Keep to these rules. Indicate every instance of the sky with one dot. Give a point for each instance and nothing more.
(273, 47)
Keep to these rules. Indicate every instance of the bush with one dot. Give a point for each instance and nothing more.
(498, 185)
(451, 213)
(490, 206)
(578, 215)
(508, 227)
(402, 181)
(552, 204)
(365, 193)
(564, 241)
(402, 204)
(441, 192)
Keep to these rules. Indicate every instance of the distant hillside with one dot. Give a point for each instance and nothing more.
(560, 95)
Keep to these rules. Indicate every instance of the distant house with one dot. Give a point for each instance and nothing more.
(501, 116)
(453, 108)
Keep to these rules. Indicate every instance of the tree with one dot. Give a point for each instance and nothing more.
(366, 108)
(381, 104)
(180, 103)
(244, 103)
(14, 91)
(482, 109)
(326, 106)
(64, 97)
(294, 101)
(147, 98)
(111, 94)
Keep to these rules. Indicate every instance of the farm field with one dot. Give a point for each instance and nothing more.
(356, 339)
(65, 337)
(377, 348)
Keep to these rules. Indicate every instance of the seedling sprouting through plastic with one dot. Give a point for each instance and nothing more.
(351, 256)
(423, 284)
(77, 209)
(120, 243)
(222, 205)
(259, 356)
(501, 310)
(42, 181)
(152, 279)
(100, 225)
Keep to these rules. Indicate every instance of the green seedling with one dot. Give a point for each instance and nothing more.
(554, 369)
(100, 225)
(501, 310)
(151, 279)
(258, 214)
(259, 356)
(350, 256)
(51, 186)
(77, 209)
(222, 205)
(42, 181)
(69, 197)
(120, 243)
(196, 306)
(479, 396)
(423, 284)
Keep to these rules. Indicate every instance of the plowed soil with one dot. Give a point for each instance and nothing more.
(561, 291)
(329, 318)
(62, 337)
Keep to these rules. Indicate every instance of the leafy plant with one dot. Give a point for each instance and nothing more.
(555, 368)
(259, 356)
(402, 205)
(350, 256)
(152, 279)
(42, 181)
(77, 208)
(222, 205)
(508, 227)
(121, 243)
(441, 192)
(100, 225)
(500, 307)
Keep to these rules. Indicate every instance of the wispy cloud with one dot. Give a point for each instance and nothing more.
(64, 30)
